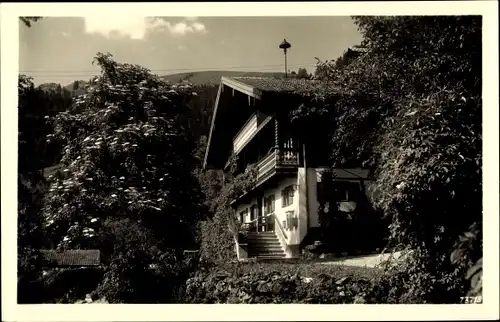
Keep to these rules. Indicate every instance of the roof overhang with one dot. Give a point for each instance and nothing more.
(242, 87)
(223, 114)
(212, 125)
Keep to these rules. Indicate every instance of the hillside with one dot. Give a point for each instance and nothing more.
(76, 90)
(49, 86)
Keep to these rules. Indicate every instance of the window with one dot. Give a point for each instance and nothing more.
(269, 204)
(253, 212)
(291, 220)
(346, 191)
(287, 196)
(243, 215)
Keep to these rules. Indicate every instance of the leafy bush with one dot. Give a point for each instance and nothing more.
(31, 189)
(127, 185)
(217, 242)
(343, 232)
(218, 233)
(310, 252)
(65, 285)
(275, 283)
(137, 277)
(411, 109)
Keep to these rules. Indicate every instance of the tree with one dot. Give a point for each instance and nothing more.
(30, 191)
(302, 73)
(127, 168)
(218, 233)
(411, 109)
(200, 109)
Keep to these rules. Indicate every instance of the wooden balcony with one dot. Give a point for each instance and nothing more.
(278, 160)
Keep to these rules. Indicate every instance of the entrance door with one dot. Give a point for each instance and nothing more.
(267, 219)
(254, 217)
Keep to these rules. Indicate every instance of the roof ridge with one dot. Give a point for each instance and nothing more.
(270, 84)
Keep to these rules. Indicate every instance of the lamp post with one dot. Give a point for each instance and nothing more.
(285, 45)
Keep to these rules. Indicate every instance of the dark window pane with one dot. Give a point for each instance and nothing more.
(287, 196)
(253, 212)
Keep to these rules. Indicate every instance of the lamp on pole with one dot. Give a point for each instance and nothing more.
(285, 45)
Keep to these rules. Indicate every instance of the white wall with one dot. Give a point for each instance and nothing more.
(300, 233)
(301, 206)
(310, 207)
(305, 208)
(278, 209)
(247, 206)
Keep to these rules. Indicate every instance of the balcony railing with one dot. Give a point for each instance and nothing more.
(288, 157)
(262, 223)
(278, 158)
(267, 164)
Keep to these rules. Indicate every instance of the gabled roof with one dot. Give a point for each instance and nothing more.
(74, 257)
(258, 85)
(256, 88)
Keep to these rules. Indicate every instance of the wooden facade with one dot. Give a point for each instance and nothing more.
(252, 123)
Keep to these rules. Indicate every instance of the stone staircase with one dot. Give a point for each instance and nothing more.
(265, 245)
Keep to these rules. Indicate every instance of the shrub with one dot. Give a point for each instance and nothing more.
(127, 187)
(66, 285)
(218, 234)
(411, 109)
(217, 242)
(260, 285)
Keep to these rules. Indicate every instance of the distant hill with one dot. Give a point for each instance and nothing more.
(78, 89)
(49, 86)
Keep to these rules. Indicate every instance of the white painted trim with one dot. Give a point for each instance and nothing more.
(253, 134)
(242, 87)
(212, 126)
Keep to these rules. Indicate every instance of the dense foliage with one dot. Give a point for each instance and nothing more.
(411, 109)
(218, 233)
(127, 185)
(275, 283)
(348, 231)
(35, 106)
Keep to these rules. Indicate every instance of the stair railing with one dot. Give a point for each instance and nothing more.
(280, 232)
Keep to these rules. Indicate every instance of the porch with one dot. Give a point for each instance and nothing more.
(274, 214)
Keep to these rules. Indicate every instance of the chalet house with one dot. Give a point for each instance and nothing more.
(251, 121)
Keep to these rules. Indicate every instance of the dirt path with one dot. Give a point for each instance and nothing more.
(363, 261)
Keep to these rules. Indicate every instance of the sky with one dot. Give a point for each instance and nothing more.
(61, 49)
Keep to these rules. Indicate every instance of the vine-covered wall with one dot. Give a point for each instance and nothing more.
(360, 228)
